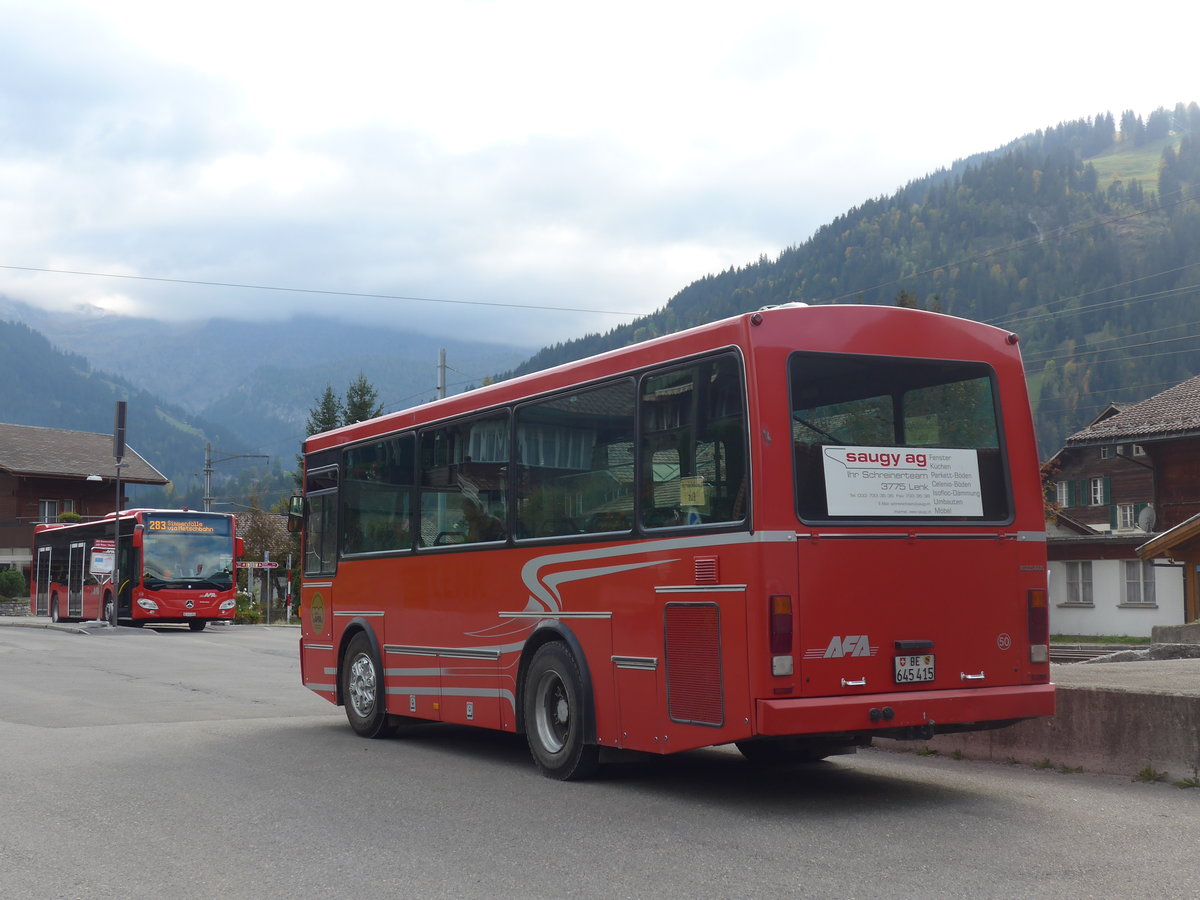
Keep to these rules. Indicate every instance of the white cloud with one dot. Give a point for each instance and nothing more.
(525, 151)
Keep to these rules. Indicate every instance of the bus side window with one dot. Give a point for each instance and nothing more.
(320, 557)
(463, 482)
(693, 459)
(377, 496)
(575, 463)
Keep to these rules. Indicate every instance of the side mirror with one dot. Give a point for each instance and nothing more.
(139, 534)
(239, 547)
(295, 519)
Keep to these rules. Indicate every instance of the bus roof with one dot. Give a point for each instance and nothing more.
(824, 328)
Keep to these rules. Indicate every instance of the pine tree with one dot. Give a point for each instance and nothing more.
(361, 401)
(327, 414)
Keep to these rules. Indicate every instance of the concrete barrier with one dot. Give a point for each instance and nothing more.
(1116, 732)
(1120, 718)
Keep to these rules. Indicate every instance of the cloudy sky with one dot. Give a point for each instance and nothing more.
(558, 166)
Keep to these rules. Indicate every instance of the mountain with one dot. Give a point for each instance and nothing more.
(246, 389)
(200, 365)
(1083, 238)
(56, 389)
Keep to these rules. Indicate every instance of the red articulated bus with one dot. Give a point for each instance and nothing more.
(175, 567)
(792, 530)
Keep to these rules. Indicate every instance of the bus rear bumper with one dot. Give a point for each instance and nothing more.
(866, 713)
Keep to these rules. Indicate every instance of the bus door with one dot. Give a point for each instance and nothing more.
(42, 594)
(908, 575)
(76, 564)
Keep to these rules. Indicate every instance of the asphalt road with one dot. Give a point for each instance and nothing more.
(175, 765)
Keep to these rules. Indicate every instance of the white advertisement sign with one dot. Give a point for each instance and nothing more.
(900, 481)
(102, 560)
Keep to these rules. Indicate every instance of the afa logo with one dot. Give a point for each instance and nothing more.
(842, 646)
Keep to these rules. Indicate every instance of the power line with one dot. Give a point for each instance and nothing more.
(326, 293)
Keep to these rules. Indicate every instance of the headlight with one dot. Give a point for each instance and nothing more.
(228, 604)
(146, 603)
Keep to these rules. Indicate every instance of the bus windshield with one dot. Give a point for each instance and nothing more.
(888, 439)
(189, 549)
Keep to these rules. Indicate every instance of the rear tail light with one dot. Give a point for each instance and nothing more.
(781, 635)
(1039, 626)
(781, 624)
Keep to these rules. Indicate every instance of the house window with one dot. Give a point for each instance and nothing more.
(1139, 583)
(1120, 449)
(1126, 517)
(1062, 493)
(1139, 450)
(47, 510)
(1079, 583)
(1096, 491)
(1105, 452)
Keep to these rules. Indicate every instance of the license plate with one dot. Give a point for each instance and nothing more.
(914, 669)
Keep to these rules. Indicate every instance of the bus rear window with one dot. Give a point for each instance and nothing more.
(887, 439)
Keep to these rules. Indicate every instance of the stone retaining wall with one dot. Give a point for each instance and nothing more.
(1116, 732)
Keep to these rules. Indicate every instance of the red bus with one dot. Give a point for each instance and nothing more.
(175, 567)
(792, 530)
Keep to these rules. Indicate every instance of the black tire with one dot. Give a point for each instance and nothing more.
(197, 625)
(782, 751)
(54, 616)
(108, 609)
(555, 715)
(362, 689)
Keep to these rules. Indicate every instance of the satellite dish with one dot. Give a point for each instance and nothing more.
(1146, 518)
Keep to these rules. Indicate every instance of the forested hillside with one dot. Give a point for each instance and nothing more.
(47, 387)
(1083, 238)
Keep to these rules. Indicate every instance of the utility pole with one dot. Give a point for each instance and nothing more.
(208, 470)
(441, 373)
(118, 455)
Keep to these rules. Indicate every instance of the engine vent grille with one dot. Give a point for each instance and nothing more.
(693, 663)
(706, 570)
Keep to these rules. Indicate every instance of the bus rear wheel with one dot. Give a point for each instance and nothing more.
(554, 715)
(54, 616)
(362, 689)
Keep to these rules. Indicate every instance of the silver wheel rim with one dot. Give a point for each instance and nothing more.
(552, 711)
(362, 686)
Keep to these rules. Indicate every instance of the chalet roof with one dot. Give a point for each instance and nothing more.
(55, 453)
(1173, 413)
(1165, 544)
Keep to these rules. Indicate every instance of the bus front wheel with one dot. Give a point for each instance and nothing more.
(554, 715)
(197, 624)
(54, 616)
(362, 689)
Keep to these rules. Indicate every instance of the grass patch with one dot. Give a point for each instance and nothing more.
(1122, 162)
(1064, 769)
(1097, 639)
(1150, 775)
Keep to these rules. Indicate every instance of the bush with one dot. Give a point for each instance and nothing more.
(12, 584)
(247, 612)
